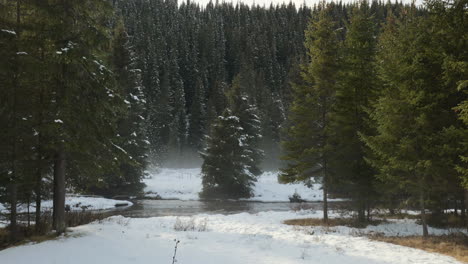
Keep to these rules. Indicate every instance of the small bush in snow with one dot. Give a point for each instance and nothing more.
(123, 221)
(190, 224)
(296, 198)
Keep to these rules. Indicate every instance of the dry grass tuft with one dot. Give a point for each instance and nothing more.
(350, 222)
(454, 245)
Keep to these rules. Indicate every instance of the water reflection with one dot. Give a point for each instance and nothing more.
(151, 208)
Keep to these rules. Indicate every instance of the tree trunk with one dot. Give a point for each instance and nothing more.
(59, 192)
(13, 186)
(423, 214)
(368, 207)
(38, 192)
(361, 211)
(325, 196)
(13, 193)
(28, 198)
(466, 208)
(38, 185)
(463, 210)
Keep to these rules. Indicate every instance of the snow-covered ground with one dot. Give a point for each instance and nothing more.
(76, 203)
(185, 184)
(228, 239)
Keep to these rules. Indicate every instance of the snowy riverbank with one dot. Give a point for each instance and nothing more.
(228, 239)
(185, 184)
(76, 203)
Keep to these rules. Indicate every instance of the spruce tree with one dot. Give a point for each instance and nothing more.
(247, 113)
(83, 135)
(412, 113)
(131, 137)
(308, 148)
(225, 168)
(355, 92)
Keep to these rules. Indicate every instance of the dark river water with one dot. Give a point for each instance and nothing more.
(151, 208)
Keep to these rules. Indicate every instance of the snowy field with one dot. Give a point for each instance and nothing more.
(228, 239)
(185, 184)
(76, 203)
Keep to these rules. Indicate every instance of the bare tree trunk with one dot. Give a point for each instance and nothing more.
(455, 203)
(38, 192)
(325, 194)
(38, 184)
(466, 208)
(423, 214)
(29, 205)
(59, 191)
(361, 211)
(368, 207)
(13, 187)
(13, 193)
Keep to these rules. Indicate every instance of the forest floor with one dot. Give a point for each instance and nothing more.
(229, 239)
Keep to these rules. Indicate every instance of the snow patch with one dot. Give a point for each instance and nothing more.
(8, 31)
(185, 184)
(76, 203)
(229, 239)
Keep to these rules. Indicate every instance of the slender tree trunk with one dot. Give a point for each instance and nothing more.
(325, 194)
(38, 185)
(423, 213)
(463, 209)
(38, 192)
(368, 206)
(13, 186)
(466, 208)
(13, 193)
(59, 191)
(361, 211)
(29, 205)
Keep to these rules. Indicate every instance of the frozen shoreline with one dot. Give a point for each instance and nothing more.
(76, 203)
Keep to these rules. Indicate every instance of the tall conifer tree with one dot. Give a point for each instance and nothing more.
(308, 148)
(355, 92)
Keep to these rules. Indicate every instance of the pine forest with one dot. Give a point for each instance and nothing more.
(230, 118)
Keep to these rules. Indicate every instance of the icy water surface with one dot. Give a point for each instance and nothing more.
(151, 208)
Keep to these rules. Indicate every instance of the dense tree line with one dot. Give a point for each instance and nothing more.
(190, 56)
(193, 59)
(378, 115)
(71, 105)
